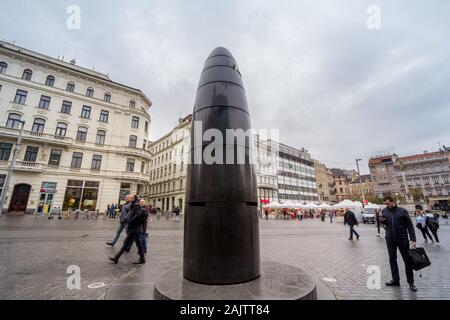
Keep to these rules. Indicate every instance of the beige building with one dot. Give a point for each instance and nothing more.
(84, 135)
(362, 187)
(383, 174)
(325, 183)
(168, 168)
(342, 183)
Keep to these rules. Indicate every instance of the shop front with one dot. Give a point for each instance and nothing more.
(81, 195)
(46, 196)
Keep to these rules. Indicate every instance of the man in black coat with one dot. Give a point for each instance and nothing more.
(135, 221)
(398, 226)
(351, 221)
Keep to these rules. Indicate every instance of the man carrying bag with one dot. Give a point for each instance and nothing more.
(398, 227)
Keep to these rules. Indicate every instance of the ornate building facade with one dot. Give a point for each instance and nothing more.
(84, 141)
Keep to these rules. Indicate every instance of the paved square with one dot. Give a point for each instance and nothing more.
(35, 254)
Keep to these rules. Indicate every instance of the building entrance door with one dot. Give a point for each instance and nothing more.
(45, 202)
(19, 198)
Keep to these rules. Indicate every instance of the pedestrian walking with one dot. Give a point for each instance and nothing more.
(377, 221)
(144, 234)
(177, 212)
(122, 220)
(421, 223)
(331, 216)
(445, 217)
(266, 213)
(433, 224)
(400, 235)
(351, 221)
(135, 227)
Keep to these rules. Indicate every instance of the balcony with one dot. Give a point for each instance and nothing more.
(126, 175)
(35, 136)
(135, 152)
(29, 166)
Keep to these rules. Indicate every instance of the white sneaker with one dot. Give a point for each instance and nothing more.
(437, 244)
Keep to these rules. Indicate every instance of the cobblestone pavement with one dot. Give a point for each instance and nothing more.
(35, 254)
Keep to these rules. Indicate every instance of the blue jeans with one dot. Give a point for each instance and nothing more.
(352, 231)
(120, 228)
(144, 237)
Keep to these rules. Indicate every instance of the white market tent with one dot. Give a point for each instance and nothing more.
(353, 206)
(325, 206)
(373, 206)
(347, 204)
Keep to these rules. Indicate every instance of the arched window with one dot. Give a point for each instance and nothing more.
(81, 134)
(61, 129)
(27, 74)
(100, 139)
(70, 86)
(3, 67)
(38, 125)
(89, 92)
(107, 97)
(50, 81)
(14, 120)
(133, 142)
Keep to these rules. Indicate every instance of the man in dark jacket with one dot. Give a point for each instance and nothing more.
(123, 214)
(135, 221)
(351, 221)
(398, 226)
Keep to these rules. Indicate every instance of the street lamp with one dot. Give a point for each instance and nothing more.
(359, 174)
(11, 167)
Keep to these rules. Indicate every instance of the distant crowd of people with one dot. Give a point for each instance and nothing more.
(300, 214)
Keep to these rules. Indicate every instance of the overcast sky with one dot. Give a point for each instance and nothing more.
(313, 69)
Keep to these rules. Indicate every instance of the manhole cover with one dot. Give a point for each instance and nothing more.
(96, 285)
(329, 279)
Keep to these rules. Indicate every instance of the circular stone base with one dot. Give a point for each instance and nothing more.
(277, 282)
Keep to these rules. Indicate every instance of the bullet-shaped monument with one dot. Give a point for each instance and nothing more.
(221, 232)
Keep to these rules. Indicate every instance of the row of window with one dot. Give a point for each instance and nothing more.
(50, 81)
(55, 157)
(66, 107)
(14, 120)
(167, 170)
(166, 187)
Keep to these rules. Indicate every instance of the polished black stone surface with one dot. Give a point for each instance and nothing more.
(221, 237)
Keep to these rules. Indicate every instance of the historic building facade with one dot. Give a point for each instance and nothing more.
(342, 183)
(362, 188)
(325, 183)
(425, 176)
(383, 174)
(84, 136)
(168, 167)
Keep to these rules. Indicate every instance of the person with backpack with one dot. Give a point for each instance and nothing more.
(433, 224)
(421, 223)
(400, 235)
(135, 222)
(351, 221)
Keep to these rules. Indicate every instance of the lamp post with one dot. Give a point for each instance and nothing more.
(11, 167)
(359, 174)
